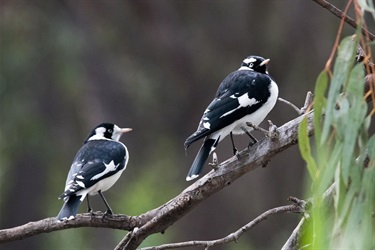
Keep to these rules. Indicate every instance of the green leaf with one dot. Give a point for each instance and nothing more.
(371, 147)
(343, 64)
(329, 165)
(343, 199)
(351, 124)
(304, 147)
(319, 103)
(367, 5)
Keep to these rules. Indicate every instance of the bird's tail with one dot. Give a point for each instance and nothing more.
(200, 159)
(70, 208)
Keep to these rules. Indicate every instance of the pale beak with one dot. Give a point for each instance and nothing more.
(125, 130)
(265, 62)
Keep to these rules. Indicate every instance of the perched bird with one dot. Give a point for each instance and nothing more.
(95, 168)
(245, 95)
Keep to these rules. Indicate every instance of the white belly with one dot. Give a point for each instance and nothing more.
(105, 184)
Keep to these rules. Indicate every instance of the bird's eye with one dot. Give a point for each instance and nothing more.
(251, 65)
(110, 130)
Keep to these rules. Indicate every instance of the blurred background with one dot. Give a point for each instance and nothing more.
(154, 66)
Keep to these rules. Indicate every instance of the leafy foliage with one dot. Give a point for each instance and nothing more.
(341, 145)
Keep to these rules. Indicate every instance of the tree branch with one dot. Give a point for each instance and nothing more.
(294, 208)
(307, 106)
(226, 172)
(82, 220)
(337, 12)
(159, 219)
(293, 242)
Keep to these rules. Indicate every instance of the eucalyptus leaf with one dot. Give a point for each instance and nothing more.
(305, 149)
(350, 125)
(371, 147)
(343, 64)
(319, 103)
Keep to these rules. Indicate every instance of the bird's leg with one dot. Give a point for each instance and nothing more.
(89, 209)
(254, 140)
(235, 151)
(109, 210)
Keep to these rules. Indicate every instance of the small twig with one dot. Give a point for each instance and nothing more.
(337, 12)
(306, 106)
(255, 127)
(369, 87)
(308, 102)
(271, 132)
(122, 243)
(294, 208)
(293, 242)
(291, 105)
(301, 203)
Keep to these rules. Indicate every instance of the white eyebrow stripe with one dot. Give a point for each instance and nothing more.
(249, 60)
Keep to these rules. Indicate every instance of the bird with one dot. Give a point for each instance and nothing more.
(97, 165)
(245, 95)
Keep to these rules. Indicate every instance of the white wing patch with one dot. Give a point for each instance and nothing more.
(243, 101)
(108, 168)
(81, 184)
(206, 125)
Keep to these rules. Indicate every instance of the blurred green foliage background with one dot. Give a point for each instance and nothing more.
(154, 66)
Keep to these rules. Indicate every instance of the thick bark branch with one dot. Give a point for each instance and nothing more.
(159, 219)
(82, 220)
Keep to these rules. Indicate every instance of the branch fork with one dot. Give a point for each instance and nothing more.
(270, 133)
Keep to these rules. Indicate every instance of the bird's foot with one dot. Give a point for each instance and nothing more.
(91, 212)
(238, 155)
(251, 144)
(215, 161)
(107, 213)
(235, 151)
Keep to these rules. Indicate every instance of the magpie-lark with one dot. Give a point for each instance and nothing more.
(245, 95)
(95, 168)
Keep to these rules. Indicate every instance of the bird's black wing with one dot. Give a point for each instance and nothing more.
(240, 93)
(95, 161)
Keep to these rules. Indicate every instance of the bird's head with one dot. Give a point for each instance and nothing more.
(255, 63)
(107, 131)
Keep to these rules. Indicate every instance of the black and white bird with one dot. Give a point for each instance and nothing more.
(96, 167)
(245, 95)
